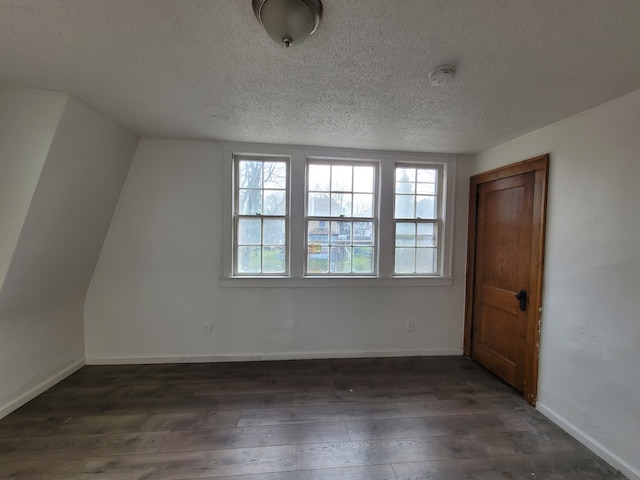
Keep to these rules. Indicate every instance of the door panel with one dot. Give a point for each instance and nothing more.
(505, 256)
(503, 243)
(494, 346)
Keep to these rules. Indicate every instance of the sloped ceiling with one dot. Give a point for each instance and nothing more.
(205, 69)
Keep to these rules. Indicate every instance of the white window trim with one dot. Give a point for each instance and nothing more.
(297, 184)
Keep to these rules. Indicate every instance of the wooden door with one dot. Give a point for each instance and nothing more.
(504, 277)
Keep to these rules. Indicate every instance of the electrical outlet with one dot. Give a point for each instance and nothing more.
(411, 325)
(206, 328)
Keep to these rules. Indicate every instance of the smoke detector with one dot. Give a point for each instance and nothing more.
(442, 75)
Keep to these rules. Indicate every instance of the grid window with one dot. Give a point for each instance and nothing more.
(417, 207)
(261, 216)
(305, 216)
(341, 218)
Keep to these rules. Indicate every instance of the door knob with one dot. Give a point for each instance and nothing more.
(522, 296)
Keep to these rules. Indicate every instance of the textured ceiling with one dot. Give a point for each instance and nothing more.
(205, 69)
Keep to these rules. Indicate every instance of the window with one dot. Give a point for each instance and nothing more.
(321, 217)
(416, 213)
(341, 218)
(261, 216)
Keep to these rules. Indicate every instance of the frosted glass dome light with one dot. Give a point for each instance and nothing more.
(288, 22)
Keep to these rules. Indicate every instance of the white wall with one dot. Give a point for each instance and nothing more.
(589, 377)
(156, 283)
(28, 121)
(42, 298)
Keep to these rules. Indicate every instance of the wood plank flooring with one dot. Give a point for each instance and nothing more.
(436, 418)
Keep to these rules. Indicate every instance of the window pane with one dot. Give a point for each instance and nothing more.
(404, 187)
(274, 232)
(249, 231)
(275, 202)
(319, 177)
(363, 233)
(405, 175)
(318, 233)
(427, 175)
(363, 179)
(426, 188)
(426, 235)
(318, 204)
(405, 260)
(341, 204)
(275, 175)
(405, 205)
(341, 233)
(273, 259)
(362, 260)
(318, 259)
(249, 260)
(341, 178)
(250, 175)
(250, 202)
(340, 260)
(425, 260)
(425, 207)
(363, 205)
(405, 234)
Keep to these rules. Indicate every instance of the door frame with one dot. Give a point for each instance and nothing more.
(539, 165)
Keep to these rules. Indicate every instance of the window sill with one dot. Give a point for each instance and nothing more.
(327, 282)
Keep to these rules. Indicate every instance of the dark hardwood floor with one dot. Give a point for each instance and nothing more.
(436, 418)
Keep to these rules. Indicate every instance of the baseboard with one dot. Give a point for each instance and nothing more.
(33, 392)
(596, 447)
(91, 360)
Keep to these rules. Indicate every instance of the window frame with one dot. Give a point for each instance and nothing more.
(329, 218)
(437, 221)
(298, 156)
(237, 216)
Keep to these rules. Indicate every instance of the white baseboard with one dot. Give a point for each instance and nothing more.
(91, 360)
(596, 447)
(36, 390)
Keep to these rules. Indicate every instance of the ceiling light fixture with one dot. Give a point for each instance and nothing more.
(442, 75)
(288, 22)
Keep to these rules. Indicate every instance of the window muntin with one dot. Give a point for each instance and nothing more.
(261, 210)
(341, 218)
(417, 211)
